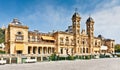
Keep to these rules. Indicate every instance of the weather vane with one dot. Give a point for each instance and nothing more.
(89, 15)
(76, 9)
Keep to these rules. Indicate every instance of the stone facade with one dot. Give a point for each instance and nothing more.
(19, 40)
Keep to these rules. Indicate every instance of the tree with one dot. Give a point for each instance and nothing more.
(117, 48)
(2, 35)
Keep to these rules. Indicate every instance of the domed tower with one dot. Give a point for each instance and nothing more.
(76, 30)
(76, 23)
(90, 27)
(90, 33)
(16, 38)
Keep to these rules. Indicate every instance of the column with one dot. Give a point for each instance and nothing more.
(42, 50)
(31, 50)
(46, 50)
(19, 60)
(82, 50)
(85, 50)
(36, 50)
(51, 50)
(10, 60)
(41, 58)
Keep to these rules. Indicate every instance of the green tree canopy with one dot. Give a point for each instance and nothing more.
(117, 48)
(2, 35)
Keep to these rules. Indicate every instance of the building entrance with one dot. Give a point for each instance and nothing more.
(19, 52)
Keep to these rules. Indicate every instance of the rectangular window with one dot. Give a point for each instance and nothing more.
(61, 40)
(19, 37)
(33, 39)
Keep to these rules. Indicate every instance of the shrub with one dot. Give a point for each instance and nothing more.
(70, 58)
(88, 57)
(107, 56)
(61, 58)
(2, 52)
(102, 56)
(85, 57)
(118, 55)
(53, 57)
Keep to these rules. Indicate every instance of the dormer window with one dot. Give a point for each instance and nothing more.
(16, 21)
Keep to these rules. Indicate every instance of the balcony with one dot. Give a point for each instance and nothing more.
(18, 40)
(40, 42)
(72, 44)
(67, 43)
(61, 43)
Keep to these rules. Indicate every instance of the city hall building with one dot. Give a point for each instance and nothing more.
(73, 41)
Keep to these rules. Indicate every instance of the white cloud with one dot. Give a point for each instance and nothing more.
(50, 18)
(106, 15)
(107, 21)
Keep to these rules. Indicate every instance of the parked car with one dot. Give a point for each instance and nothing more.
(2, 61)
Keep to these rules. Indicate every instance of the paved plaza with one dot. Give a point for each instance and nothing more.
(94, 64)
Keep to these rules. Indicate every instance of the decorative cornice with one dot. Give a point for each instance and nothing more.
(18, 26)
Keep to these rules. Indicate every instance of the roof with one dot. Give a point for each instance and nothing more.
(48, 38)
(16, 21)
(109, 40)
(63, 32)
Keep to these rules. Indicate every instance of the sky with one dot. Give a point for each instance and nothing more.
(49, 15)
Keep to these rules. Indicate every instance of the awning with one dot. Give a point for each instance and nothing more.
(103, 48)
(96, 49)
(48, 38)
(19, 47)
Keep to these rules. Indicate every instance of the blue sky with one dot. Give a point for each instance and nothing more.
(49, 15)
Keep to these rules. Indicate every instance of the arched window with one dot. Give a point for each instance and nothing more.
(67, 39)
(83, 50)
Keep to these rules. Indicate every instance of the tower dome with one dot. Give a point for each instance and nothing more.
(16, 21)
(90, 19)
(76, 15)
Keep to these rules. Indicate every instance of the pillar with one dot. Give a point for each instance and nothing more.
(51, 50)
(36, 50)
(31, 50)
(19, 60)
(10, 60)
(85, 50)
(47, 50)
(42, 50)
(41, 58)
